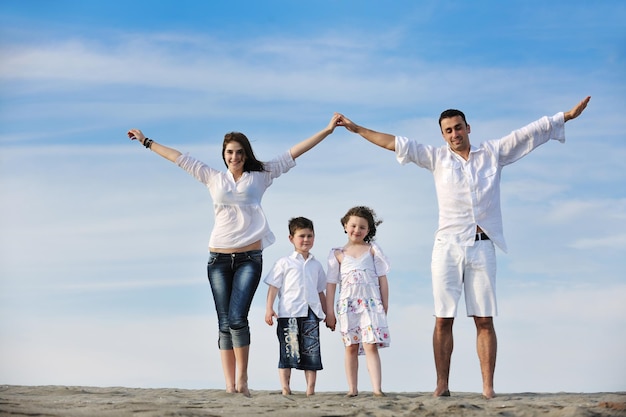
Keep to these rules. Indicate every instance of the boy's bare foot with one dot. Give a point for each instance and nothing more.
(243, 389)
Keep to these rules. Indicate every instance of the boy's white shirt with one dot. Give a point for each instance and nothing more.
(299, 282)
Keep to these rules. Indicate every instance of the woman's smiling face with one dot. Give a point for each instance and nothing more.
(234, 156)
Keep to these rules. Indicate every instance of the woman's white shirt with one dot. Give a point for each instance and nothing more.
(239, 217)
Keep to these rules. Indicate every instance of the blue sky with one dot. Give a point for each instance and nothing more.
(103, 245)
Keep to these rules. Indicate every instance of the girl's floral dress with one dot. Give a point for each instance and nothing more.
(360, 313)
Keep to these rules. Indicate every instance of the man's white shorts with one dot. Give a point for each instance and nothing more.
(471, 269)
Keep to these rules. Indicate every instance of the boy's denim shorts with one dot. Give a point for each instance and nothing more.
(299, 342)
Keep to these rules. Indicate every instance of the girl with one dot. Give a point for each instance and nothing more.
(240, 233)
(360, 268)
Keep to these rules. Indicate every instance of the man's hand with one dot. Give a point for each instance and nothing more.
(347, 123)
(577, 109)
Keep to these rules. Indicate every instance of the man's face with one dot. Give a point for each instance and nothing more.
(456, 133)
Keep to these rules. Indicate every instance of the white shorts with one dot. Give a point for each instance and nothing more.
(471, 269)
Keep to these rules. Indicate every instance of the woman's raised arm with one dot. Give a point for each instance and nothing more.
(309, 143)
(168, 153)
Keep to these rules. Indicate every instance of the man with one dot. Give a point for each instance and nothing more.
(467, 181)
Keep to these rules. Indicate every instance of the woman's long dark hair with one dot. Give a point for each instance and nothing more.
(251, 163)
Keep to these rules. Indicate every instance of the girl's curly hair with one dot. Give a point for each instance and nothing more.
(367, 214)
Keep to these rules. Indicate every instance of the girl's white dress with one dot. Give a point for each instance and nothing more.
(360, 313)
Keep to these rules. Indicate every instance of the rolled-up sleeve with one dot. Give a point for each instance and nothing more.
(197, 169)
(280, 165)
(408, 150)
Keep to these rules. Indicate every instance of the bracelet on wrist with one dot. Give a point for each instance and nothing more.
(147, 143)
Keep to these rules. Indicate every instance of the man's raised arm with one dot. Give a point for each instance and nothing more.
(576, 110)
(383, 140)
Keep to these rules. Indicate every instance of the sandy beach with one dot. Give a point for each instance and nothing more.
(66, 401)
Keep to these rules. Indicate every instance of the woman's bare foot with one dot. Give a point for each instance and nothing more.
(489, 395)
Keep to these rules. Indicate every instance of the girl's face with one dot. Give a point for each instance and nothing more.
(235, 156)
(357, 229)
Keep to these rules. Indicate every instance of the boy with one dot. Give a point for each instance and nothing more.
(299, 281)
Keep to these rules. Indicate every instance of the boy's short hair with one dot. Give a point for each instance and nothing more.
(296, 223)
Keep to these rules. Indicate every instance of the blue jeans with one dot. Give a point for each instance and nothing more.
(234, 278)
(299, 342)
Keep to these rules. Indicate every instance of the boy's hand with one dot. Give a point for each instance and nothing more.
(331, 322)
(269, 315)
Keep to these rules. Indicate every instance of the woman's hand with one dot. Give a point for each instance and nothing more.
(136, 134)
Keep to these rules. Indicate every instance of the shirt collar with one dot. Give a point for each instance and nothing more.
(297, 255)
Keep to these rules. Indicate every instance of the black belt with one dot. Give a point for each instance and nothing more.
(481, 236)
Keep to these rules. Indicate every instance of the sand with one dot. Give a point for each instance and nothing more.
(51, 401)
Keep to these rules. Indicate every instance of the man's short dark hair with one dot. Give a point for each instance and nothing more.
(446, 114)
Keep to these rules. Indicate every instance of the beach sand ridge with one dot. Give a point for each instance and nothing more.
(68, 401)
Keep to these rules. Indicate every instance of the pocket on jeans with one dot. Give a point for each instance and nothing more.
(310, 337)
(212, 259)
(256, 256)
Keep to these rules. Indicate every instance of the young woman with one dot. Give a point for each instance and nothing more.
(240, 233)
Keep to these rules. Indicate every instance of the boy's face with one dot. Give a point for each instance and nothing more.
(303, 240)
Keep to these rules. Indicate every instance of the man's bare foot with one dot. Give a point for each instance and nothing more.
(442, 393)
